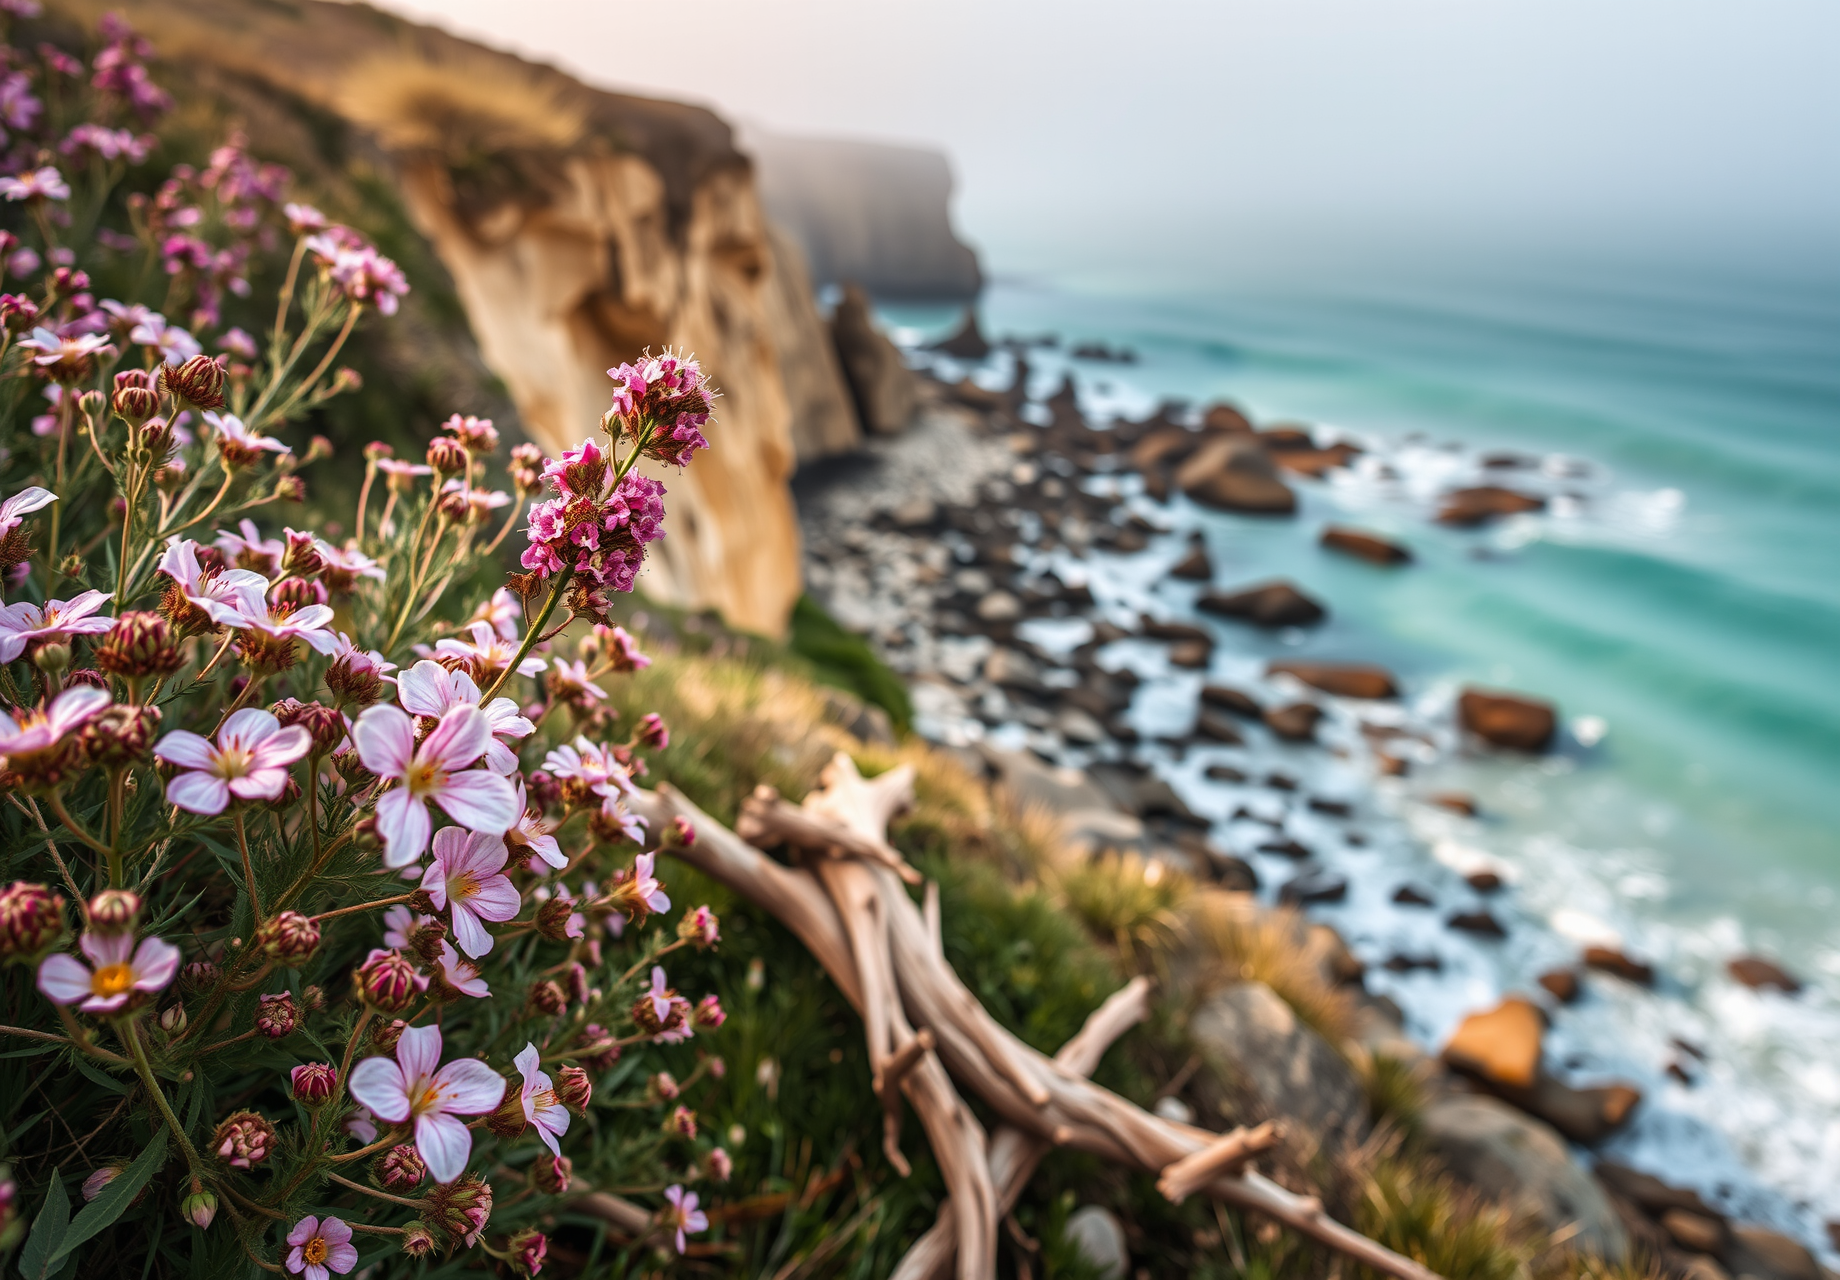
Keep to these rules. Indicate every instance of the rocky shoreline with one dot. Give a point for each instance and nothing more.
(977, 550)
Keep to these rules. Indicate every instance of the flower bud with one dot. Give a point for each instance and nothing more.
(100, 1178)
(302, 557)
(18, 312)
(324, 726)
(574, 1089)
(377, 450)
(579, 990)
(602, 1050)
(661, 1087)
(401, 1169)
(384, 1035)
(447, 456)
(51, 657)
(298, 592)
(199, 382)
(314, 1083)
(681, 832)
(139, 645)
(173, 1020)
(345, 378)
(120, 735)
(277, 1016)
(508, 1120)
(319, 448)
(681, 1123)
(528, 1248)
(709, 1012)
(551, 1174)
(244, 1140)
(313, 998)
(460, 1209)
(90, 404)
(387, 982)
(547, 997)
(289, 939)
(721, 1165)
(31, 919)
(198, 975)
(291, 489)
(199, 1208)
(553, 917)
(425, 939)
(417, 1240)
(652, 732)
(355, 681)
(135, 398)
(700, 927)
(114, 911)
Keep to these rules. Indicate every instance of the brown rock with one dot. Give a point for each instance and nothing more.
(1226, 419)
(1694, 1231)
(1758, 973)
(1183, 632)
(1455, 801)
(1313, 886)
(1480, 923)
(1410, 895)
(1647, 1192)
(1163, 447)
(1314, 463)
(1191, 654)
(1193, 567)
(1507, 720)
(1344, 680)
(1295, 722)
(1484, 881)
(1156, 485)
(966, 342)
(1210, 723)
(1235, 475)
(1269, 604)
(1363, 545)
(1563, 983)
(1233, 700)
(1611, 960)
(1770, 1255)
(1583, 1115)
(1392, 766)
(1470, 507)
(1331, 808)
(1501, 1045)
(880, 382)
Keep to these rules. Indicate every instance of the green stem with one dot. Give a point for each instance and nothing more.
(530, 635)
(372, 1191)
(362, 906)
(249, 871)
(319, 370)
(158, 1094)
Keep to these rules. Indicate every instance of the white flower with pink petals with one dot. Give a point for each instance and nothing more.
(120, 969)
(488, 652)
(42, 183)
(440, 770)
(460, 973)
(24, 623)
(249, 762)
(174, 344)
(542, 1109)
(535, 833)
(217, 592)
(233, 435)
(286, 621)
(398, 922)
(414, 1087)
(645, 887)
(248, 549)
(502, 611)
(22, 733)
(430, 689)
(22, 504)
(467, 877)
(591, 764)
(320, 1248)
(683, 1213)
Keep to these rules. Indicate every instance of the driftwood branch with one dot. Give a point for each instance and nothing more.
(1044, 1099)
(1224, 1157)
(846, 819)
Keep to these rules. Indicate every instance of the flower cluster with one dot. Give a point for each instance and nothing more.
(597, 525)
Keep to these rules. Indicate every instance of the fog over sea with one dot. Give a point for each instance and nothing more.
(1679, 600)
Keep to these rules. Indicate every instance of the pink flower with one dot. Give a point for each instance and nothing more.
(397, 922)
(430, 689)
(461, 974)
(503, 611)
(249, 761)
(234, 437)
(16, 508)
(399, 474)
(341, 567)
(248, 549)
(439, 770)
(23, 623)
(621, 648)
(412, 1088)
(215, 592)
(238, 343)
(683, 1213)
(121, 969)
(360, 1124)
(534, 832)
(174, 344)
(284, 623)
(541, 1106)
(644, 888)
(320, 1248)
(303, 218)
(488, 653)
(615, 818)
(591, 765)
(47, 183)
(660, 995)
(467, 876)
(570, 682)
(34, 731)
(74, 348)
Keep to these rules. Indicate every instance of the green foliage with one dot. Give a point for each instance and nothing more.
(1429, 1219)
(846, 661)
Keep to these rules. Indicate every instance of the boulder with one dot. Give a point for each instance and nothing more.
(1343, 679)
(1481, 923)
(1194, 655)
(1163, 447)
(1455, 801)
(1614, 961)
(1647, 1192)
(1314, 886)
(1226, 419)
(1505, 1155)
(1240, 704)
(1284, 1068)
(1285, 847)
(1584, 1115)
(1295, 722)
(1097, 1236)
(1695, 1232)
(1078, 727)
(1507, 720)
(1363, 545)
(1757, 973)
(1193, 567)
(1470, 507)
(967, 342)
(1562, 983)
(1155, 629)
(1314, 463)
(1331, 808)
(1270, 604)
(999, 606)
(1501, 1046)
(1224, 773)
(1235, 475)
(1769, 1255)
(1210, 723)
(880, 382)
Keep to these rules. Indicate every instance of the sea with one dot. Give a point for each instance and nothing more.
(1678, 599)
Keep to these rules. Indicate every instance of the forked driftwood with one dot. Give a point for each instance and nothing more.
(855, 916)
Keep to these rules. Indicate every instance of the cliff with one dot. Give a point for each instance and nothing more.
(867, 213)
(578, 227)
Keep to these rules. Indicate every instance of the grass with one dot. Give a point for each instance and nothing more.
(845, 660)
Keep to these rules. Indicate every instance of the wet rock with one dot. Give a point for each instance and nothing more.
(883, 387)
(1757, 973)
(1507, 720)
(1455, 801)
(1226, 419)
(1343, 679)
(1329, 950)
(1314, 886)
(1097, 1236)
(1331, 808)
(1233, 873)
(1210, 723)
(1270, 604)
(1286, 848)
(1484, 881)
(1136, 790)
(916, 514)
(1506, 1155)
(1192, 655)
(967, 342)
(1280, 782)
(1400, 962)
(1611, 960)
(1193, 567)
(1225, 773)
(1584, 1115)
(1562, 983)
(1467, 508)
(999, 606)
(1287, 437)
(1098, 702)
(1162, 448)
(1283, 1068)
(1480, 923)
(1180, 632)
(1235, 475)
(1365, 546)
(1647, 1192)
(1295, 722)
(1315, 463)
(1391, 766)
(1769, 1255)
(1695, 1232)
(1077, 727)
(1501, 1045)
(1240, 704)
(1410, 895)
(1156, 485)
(1010, 669)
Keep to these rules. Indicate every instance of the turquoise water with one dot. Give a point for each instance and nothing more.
(1681, 604)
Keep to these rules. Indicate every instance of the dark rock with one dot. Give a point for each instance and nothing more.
(1410, 895)
(1314, 886)
(966, 342)
(1562, 983)
(883, 387)
(1365, 546)
(1399, 962)
(1647, 1192)
(1584, 1115)
(1233, 873)
(1506, 461)
(1455, 801)
(1480, 923)
(1758, 973)
(1156, 484)
(1286, 848)
(1098, 701)
(1287, 438)
(1507, 720)
(1209, 723)
(1192, 655)
(1470, 507)
(1343, 679)
(1009, 669)
(1136, 790)
(1270, 604)
(1392, 766)
(1331, 808)
(1234, 475)
(1078, 727)
(1695, 1232)
(1231, 700)
(1484, 881)
(1162, 448)
(1177, 631)
(1193, 567)
(1121, 729)
(1284, 1068)
(1295, 722)
(1769, 1255)
(1280, 782)
(1226, 419)
(1613, 961)
(1225, 773)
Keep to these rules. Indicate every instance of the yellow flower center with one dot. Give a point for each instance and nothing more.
(313, 1252)
(233, 762)
(468, 886)
(112, 979)
(423, 778)
(430, 1096)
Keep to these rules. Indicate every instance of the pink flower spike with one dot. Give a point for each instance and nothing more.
(120, 969)
(320, 1247)
(467, 876)
(410, 1087)
(541, 1106)
(23, 623)
(439, 770)
(683, 1214)
(249, 761)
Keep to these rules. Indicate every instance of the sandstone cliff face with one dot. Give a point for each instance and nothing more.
(579, 228)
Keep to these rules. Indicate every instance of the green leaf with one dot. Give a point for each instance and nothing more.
(115, 1198)
(101, 1077)
(35, 1259)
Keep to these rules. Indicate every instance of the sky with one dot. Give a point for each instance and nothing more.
(1146, 134)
